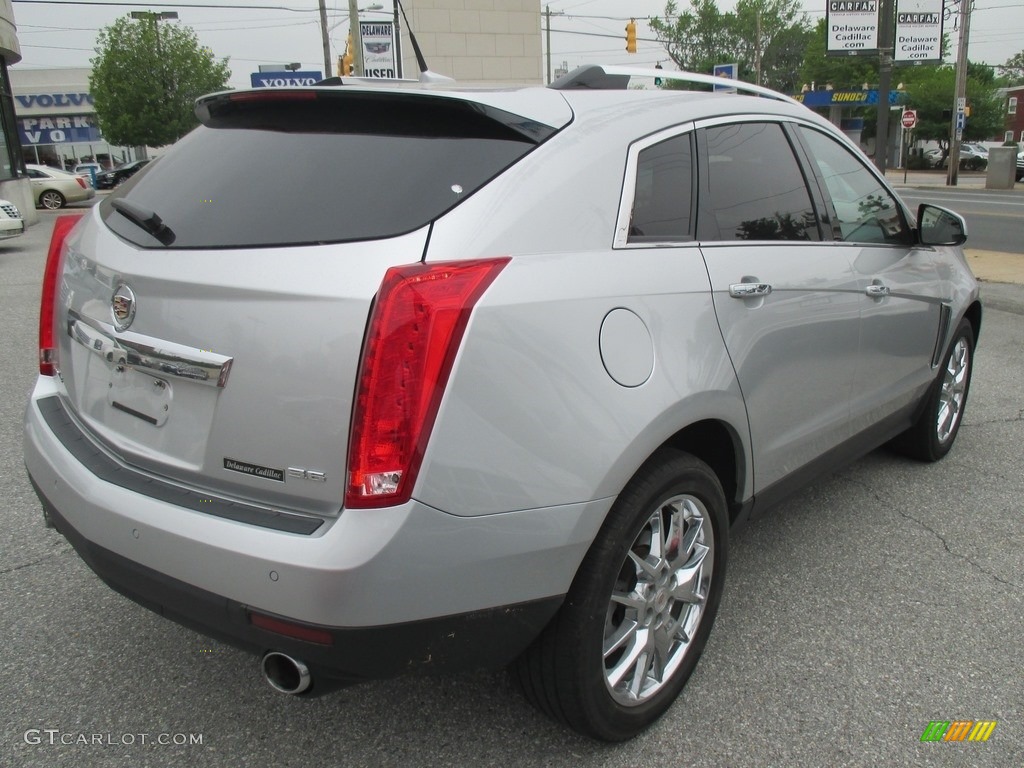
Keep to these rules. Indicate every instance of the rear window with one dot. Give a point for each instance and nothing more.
(327, 166)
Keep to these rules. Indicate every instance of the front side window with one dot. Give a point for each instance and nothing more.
(756, 189)
(663, 196)
(865, 211)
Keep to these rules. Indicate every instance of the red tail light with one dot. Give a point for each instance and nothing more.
(81, 182)
(415, 331)
(54, 258)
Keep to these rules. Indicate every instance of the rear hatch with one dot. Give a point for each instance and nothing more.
(213, 310)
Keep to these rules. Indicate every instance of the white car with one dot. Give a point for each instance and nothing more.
(53, 188)
(11, 222)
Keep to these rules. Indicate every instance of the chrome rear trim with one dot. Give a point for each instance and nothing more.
(146, 353)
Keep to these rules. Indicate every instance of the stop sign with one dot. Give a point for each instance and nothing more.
(909, 118)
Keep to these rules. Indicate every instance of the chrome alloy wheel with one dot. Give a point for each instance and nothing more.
(954, 390)
(658, 600)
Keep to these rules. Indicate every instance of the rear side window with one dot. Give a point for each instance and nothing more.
(663, 199)
(865, 211)
(756, 188)
(327, 167)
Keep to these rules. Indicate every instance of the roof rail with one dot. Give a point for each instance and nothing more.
(606, 77)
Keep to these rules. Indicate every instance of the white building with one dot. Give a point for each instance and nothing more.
(13, 185)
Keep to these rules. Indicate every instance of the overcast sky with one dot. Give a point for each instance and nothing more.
(279, 31)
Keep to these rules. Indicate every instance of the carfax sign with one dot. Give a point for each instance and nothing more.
(918, 30)
(852, 27)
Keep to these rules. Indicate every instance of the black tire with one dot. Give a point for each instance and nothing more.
(935, 431)
(51, 200)
(565, 673)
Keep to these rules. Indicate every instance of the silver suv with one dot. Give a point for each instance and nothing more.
(375, 380)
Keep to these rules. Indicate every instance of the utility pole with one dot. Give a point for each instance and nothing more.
(324, 40)
(885, 51)
(357, 35)
(757, 51)
(960, 99)
(547, 33)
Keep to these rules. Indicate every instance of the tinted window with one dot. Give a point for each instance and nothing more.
(663, 196)
(336, 167)
(864, 211)
(757, 191)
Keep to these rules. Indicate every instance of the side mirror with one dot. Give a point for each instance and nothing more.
(938, 226)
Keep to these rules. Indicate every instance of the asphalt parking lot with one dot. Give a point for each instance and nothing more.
(886, 596)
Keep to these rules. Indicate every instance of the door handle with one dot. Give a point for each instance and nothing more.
(749, 290)
(876, 291)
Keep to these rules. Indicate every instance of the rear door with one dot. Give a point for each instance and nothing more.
(788, 303)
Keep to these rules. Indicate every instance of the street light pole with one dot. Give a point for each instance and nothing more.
(156, 18)
(398, 44)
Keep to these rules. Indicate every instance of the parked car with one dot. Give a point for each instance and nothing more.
(505, 412)
(972, 157)
(53, 188)
(1020, 166)
(120, 174)
(89, 171)
(12, 223)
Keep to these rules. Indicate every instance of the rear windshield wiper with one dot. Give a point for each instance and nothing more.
(145, 219)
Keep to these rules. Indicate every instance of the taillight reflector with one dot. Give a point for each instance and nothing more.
(291, 629)
(54, 258)
(81, 182)
(414, 333)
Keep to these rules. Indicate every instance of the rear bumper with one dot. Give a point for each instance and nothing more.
(396, 588)
(488, 638)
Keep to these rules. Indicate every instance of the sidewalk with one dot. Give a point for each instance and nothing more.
(965, 180)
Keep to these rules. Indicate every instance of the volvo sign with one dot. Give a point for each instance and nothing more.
(278, 79)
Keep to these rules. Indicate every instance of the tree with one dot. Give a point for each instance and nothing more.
(146, 77)
(703, 36)
(772, 34)
(930, 91)
(1013, 69)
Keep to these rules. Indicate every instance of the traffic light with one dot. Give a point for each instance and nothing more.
(631, 36)
(346, 62)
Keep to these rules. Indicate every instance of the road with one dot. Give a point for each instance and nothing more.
(886, 596)
(995, 218)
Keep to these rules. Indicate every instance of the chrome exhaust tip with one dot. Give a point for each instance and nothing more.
(286, 674)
